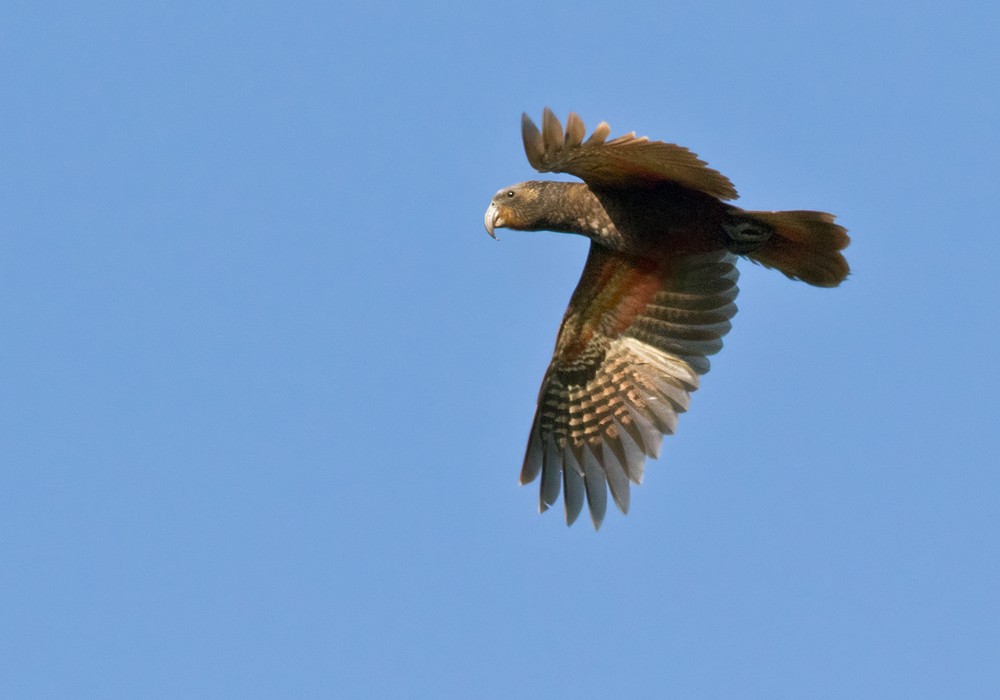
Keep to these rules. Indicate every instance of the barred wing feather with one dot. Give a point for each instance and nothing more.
(634, 340)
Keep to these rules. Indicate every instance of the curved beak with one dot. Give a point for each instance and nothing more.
(492, 219)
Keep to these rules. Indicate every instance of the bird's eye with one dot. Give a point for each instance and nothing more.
(510, 193)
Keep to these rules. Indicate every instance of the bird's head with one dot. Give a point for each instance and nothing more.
(520, 207)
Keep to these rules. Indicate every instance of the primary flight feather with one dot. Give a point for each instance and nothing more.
(655, 298)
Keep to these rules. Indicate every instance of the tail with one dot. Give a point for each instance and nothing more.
(804, 245)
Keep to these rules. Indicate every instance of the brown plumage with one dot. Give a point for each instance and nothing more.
(655, 298)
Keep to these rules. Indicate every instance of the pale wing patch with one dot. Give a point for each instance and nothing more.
(603, 431)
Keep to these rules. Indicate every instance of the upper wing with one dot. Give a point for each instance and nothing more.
(634, 339)
(625, 161)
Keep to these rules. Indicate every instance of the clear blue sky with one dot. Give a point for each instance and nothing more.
(265, 382)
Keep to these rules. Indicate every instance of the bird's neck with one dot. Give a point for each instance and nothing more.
(573, 208)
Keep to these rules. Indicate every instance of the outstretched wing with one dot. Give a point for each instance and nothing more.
(626, 161)
(634, 339)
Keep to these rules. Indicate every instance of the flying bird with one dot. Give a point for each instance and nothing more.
(653, 302)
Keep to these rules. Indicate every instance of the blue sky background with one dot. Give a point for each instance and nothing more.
(265, 382)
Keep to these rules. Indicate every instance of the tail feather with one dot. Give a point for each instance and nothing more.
(804, 245)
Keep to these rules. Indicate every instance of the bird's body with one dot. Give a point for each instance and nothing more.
(653, 302)
(650, 223)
